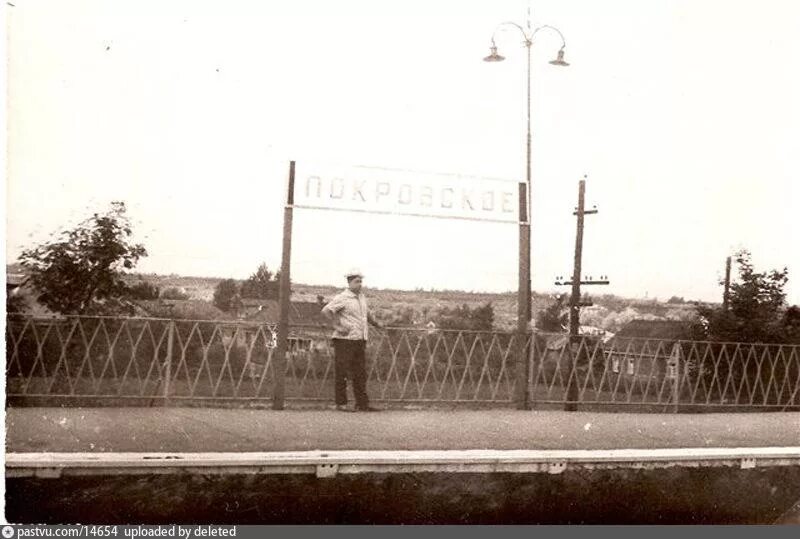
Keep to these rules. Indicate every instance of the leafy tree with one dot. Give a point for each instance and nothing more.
(226, 295)
(791, 324)
(144, 290)
(756, 313)
(462, 317)
(551, 318)
(756, 305)
(174, 292)
(402, 316)
(483, 317)
(262, 284)
(81, 271)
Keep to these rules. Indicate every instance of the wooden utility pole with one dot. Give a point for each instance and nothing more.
(726, 293)
(575, 298)
(575, 303)
(279, 359)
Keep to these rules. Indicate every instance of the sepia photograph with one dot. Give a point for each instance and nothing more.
(352, 262)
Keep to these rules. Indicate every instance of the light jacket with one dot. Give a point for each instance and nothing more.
(350, 315)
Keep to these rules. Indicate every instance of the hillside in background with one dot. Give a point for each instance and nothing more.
(609, 312)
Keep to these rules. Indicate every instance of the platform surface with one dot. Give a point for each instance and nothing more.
(236, 430)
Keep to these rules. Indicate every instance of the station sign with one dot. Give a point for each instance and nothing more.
(403, 192)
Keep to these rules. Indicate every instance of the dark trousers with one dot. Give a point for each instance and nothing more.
(350, 363)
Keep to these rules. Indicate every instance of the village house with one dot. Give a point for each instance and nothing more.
(647, 349)
(253, 319)
(308, 327)
(22, 297)
(554, 353)
(180, 309)
(14, 283)
(252, 327)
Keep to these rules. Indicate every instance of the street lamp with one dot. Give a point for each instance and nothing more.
(524, 300)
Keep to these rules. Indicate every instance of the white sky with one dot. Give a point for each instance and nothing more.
(685, 115)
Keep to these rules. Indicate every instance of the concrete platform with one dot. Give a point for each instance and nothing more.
(328, 464)
(227, 430)
(156, 465)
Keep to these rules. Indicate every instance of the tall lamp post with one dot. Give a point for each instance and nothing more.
(524, 300)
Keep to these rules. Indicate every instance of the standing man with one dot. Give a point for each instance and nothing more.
(350, 316)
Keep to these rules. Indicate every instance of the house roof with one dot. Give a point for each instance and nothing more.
(656, 329)
(187, 309)
(14, 280)
(649, 336)
(301, 313)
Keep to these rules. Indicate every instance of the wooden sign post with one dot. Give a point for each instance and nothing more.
(279, 359)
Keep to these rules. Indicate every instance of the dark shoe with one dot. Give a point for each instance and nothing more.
(367, 409)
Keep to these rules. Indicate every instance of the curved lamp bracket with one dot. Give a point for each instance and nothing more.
(528, 37)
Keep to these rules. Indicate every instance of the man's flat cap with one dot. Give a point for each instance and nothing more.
(353, 272)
